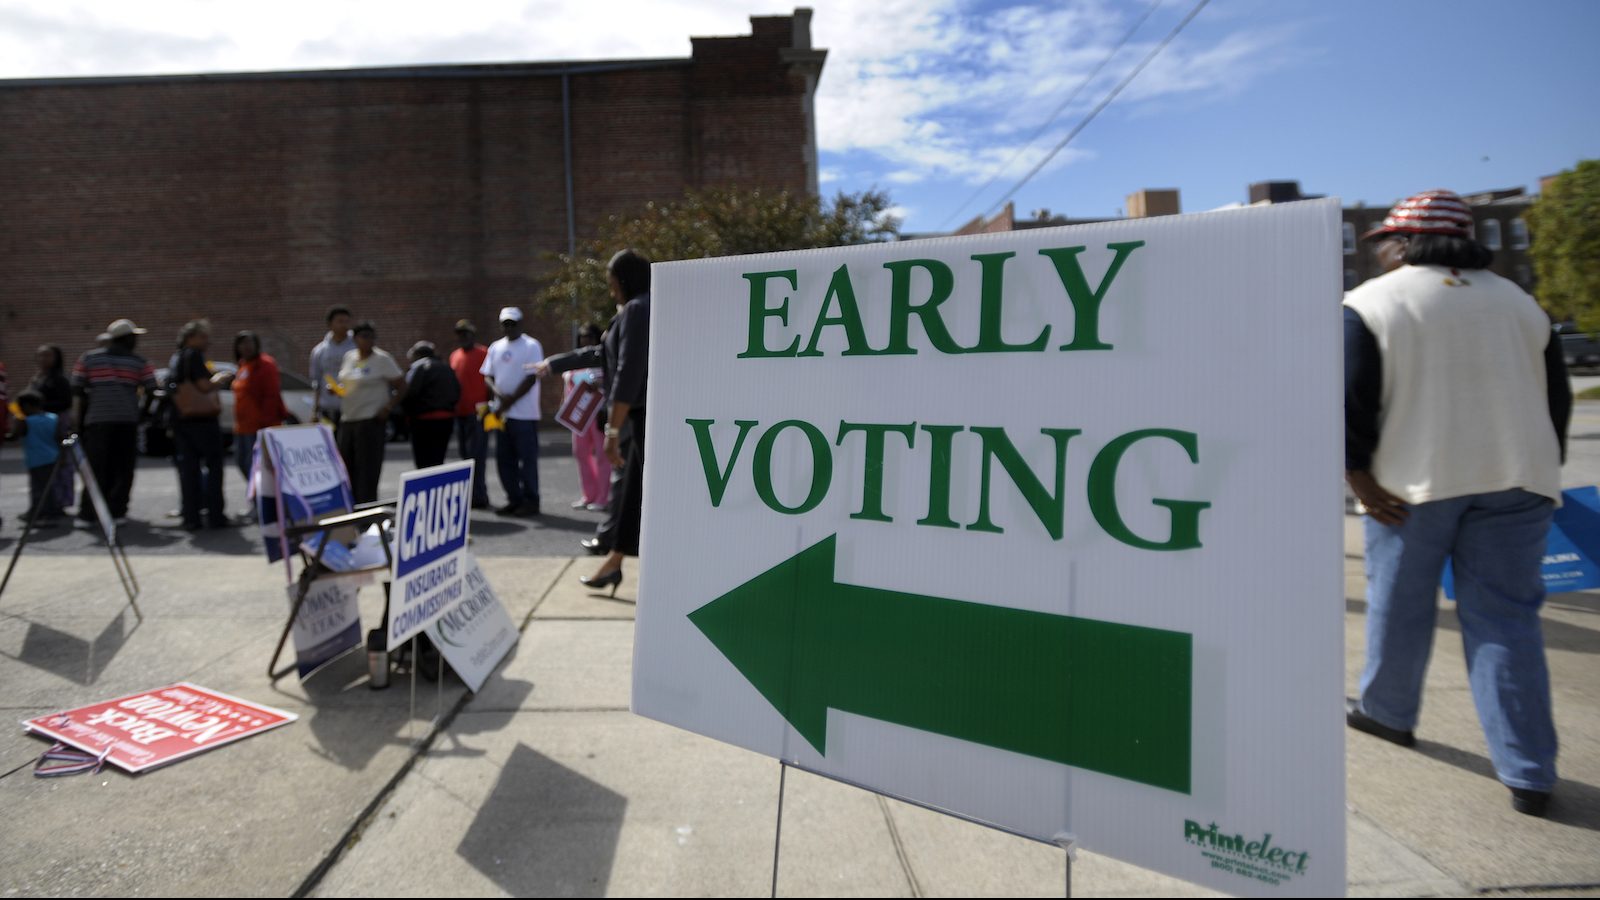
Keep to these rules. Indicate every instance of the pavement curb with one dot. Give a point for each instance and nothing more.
(352, 835)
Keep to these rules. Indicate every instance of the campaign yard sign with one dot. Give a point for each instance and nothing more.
(328, 624)
(581, 406)
(298, 476)
(1001, 525)
(91, 486)
(1572, 549)
(153, 728)
(476, 632)
(430, 546)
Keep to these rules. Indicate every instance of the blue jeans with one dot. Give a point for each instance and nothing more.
(473, 443)
(1495, 543)
(244, 453)
(197, 445)
(517, 452)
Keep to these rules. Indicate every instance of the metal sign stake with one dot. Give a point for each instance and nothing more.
(777, 835)
(1069, 846)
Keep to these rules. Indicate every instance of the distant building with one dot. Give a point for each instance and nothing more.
(415, 195)
(1153, 202)
(1499, 221)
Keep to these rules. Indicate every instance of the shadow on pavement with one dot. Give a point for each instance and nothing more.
(140, 534)
(566, 523)
(1575, 803)
(492, 710)
(545, 830)
(351, 722)
(71, 657)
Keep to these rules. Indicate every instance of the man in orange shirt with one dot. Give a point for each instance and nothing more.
(467, 361)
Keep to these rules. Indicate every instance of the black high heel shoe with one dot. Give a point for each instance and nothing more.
(601, 581)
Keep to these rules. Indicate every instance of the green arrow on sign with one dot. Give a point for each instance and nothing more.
(1096, 695)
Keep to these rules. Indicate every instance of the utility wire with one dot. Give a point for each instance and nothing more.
(1087, 80)
(1103, 104)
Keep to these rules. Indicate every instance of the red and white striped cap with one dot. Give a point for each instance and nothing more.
(1430, 212)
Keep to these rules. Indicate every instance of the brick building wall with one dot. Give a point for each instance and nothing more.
(415, 196)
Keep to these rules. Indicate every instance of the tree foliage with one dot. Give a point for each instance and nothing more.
(715, 222)
(1565, 226)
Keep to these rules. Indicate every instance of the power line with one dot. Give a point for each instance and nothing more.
(1087, 80)
(1103, 104)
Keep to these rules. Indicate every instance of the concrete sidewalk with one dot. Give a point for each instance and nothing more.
(545, 784)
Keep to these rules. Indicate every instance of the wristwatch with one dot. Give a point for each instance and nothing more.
(612, 431)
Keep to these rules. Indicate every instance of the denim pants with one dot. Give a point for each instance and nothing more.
(244, 453)
(197, 445)
(517, 452)
(473, 443)
(1496, 543)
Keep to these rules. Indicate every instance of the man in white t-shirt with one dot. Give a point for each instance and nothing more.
(508, 373)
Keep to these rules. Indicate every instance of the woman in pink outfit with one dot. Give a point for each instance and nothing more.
(589, 448)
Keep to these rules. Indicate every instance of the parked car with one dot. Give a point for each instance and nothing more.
(156, 440)
(1581, 351)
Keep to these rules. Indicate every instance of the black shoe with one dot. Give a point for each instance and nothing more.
(527, 511)
(482, 504)
(1529, 802)
(602, 581)
(510, 509)
(1360, 721)
(593, 547)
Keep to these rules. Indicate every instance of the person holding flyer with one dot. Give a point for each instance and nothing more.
(588, 445)
(625, 350)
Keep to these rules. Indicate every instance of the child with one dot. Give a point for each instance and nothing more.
(40, 448)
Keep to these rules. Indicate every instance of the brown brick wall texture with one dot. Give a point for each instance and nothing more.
(415, 197)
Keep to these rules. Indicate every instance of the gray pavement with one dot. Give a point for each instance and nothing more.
(544, 783)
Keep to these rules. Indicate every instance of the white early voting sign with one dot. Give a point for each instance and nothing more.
(1042, 529)
(430, 547)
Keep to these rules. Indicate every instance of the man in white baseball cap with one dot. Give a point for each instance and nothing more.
(508, 373)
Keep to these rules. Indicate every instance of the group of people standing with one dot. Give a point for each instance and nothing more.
(356, 386)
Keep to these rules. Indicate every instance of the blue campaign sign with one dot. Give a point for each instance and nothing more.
(328, 625)
(432, 519)
(297, 467)
(1572, 552)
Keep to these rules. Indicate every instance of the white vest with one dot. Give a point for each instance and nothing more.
(1465, 407)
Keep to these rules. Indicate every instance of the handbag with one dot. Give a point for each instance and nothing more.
(193, 403)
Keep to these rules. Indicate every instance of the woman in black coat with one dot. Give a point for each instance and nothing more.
(624, 352)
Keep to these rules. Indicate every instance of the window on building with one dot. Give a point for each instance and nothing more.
(1524, 275)
(1489, 234)
(1349, 238)
(1519, 234)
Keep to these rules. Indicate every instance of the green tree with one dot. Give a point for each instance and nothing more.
(715, 222)
(1565, 226)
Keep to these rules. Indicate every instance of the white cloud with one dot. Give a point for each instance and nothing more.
(943, 89)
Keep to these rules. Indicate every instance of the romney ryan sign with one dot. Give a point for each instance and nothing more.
(1042, 529)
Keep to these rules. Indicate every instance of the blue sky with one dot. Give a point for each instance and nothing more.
(930, 99)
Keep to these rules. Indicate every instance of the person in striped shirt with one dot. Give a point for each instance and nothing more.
(106, 385)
